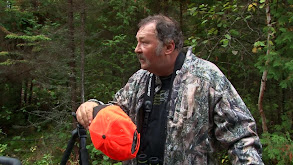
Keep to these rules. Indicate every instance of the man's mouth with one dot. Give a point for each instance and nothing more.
(140, 56)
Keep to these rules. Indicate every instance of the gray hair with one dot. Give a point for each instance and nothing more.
(167, 29)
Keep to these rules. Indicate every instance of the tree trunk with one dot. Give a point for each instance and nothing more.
(265, 73)
(30, 92)
(82, 52)
(72, 64)
(23, 93)
(181, 13)
(260, 101)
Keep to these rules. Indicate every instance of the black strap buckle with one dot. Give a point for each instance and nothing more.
(148, 106)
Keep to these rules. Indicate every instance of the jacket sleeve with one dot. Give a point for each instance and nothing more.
(235, 127)
(128, 96)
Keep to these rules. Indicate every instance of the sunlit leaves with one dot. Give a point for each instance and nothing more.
(252, 7)
(259, 43)
(9, 62)
(4, 53)
(28, 38)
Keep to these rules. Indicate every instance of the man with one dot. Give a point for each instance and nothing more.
(184, 107)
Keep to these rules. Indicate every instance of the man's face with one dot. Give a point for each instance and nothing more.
(149, 49)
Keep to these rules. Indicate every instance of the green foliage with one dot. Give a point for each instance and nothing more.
(226, 39)
(218, 35)
(28, 38)
(42, 147)
(280, 57)
(232, 34)
(222, 157)
(10, 62)
(285, 126)
(4, 53)
(3, 147)
(46, 160)
(278, 148)
(99, 158)
(5, 113)
(114, 61)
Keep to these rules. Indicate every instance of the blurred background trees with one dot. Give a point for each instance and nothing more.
(54, 54)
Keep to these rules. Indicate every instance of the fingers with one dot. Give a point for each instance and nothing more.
(89, 114)
(84, 113)
(79, 115)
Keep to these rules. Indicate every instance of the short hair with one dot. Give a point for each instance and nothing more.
(167, 29)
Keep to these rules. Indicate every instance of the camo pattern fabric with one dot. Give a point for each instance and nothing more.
(206, 115)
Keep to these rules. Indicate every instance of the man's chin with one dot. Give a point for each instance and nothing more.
(143, 66)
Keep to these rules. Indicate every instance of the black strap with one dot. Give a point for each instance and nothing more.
(145, 113)
(98, 108)
(148, 99)
(150, 89)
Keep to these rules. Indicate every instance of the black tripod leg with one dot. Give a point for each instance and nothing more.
(84, 157)
(69, 148)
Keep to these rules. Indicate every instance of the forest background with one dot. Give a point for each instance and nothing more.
(55, 54)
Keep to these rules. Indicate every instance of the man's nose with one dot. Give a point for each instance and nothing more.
(137, 48)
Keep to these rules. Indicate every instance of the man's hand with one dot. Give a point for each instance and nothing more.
(84, 113)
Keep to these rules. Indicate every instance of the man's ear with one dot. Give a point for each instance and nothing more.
(170, 47)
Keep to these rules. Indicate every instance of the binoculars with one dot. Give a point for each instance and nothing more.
(142, 159)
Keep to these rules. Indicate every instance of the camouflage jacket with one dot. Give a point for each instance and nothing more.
(205, 112)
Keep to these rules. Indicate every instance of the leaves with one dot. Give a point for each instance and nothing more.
(29, 38)
(259, 44)
(4, 53)
(252, 7)
(278, 146)
(225, 42)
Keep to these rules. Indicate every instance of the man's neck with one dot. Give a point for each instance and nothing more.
(170, 66)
